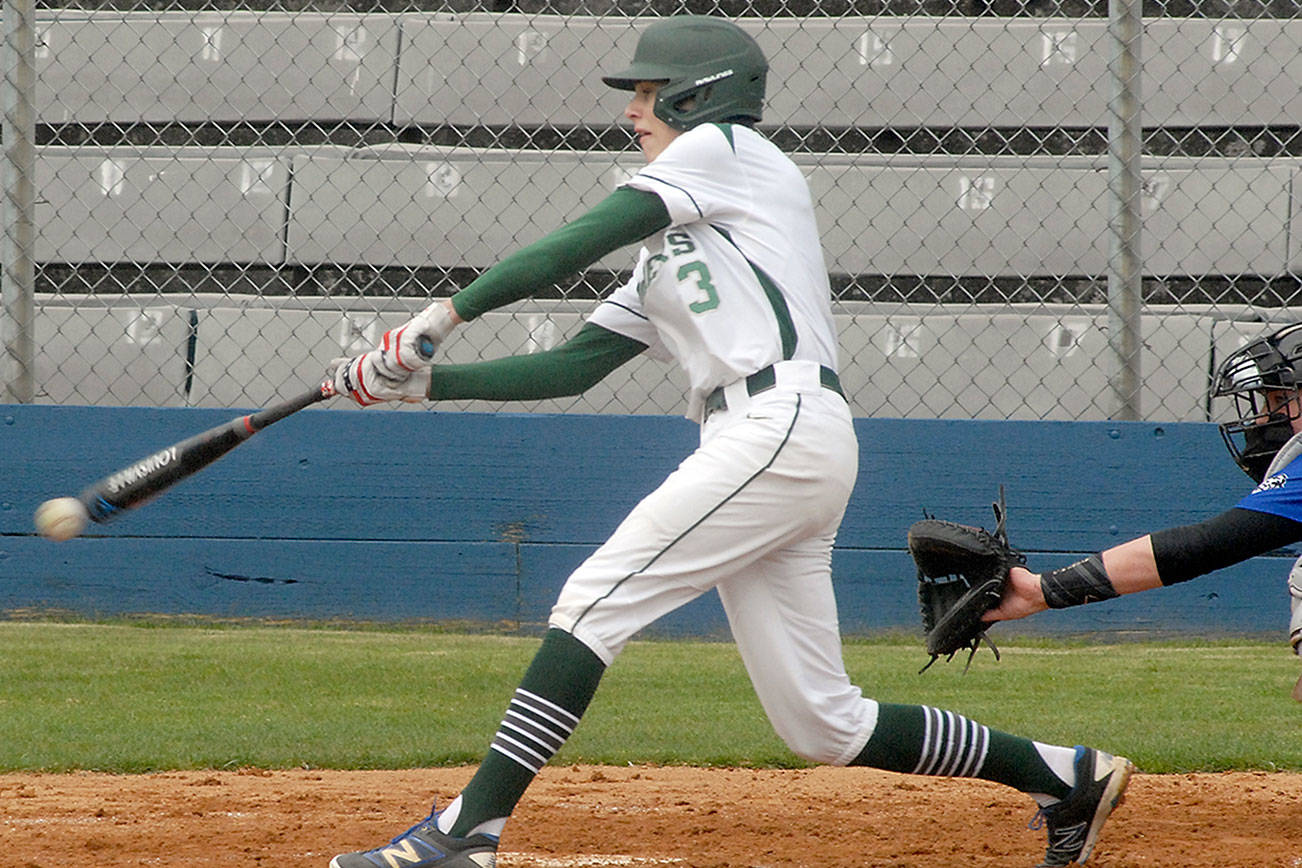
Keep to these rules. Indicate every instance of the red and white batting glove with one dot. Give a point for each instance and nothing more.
(362, 379)
(410, 347)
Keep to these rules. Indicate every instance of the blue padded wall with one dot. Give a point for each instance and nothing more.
(478, 518)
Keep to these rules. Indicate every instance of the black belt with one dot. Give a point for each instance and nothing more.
(765, 379)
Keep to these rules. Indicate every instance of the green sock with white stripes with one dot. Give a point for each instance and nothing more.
(918, 739)
(552, 696)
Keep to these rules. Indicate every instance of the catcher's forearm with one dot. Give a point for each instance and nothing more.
(1168, 557)
(1123, 569)
(1132, 566)
(1085, 581)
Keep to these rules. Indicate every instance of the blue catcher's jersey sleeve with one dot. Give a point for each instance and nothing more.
(1279, 494)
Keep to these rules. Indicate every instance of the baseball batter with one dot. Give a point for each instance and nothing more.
(1265, 439)
(730, 284)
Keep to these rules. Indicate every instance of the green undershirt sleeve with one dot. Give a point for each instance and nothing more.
(566, 369)
(622, 218)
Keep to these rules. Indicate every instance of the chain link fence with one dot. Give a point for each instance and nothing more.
(222, 197)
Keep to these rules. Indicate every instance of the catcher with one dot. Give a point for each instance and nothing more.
(1264, 378)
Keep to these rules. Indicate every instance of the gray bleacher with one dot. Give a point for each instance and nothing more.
(872, 72)
(1026, 216)
(158, 204)
(937, 72)
(441, 206)
(1210, 72)
(117, 353)
(1293, 263)
(205, 351)
(1224, 216)
(484, 68)
(510, 69)
(465, 207)
(414, 206)
(990, 362)
(256, 356)
(214, 66)
(938, 364)
(253, 356)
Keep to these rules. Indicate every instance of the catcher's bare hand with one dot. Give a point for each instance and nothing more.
(1022, 597)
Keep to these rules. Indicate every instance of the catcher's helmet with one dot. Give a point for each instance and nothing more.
(711, 70)
(1267, 364)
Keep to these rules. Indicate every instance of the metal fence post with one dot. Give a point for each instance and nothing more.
(17, 264)
(1125, 183)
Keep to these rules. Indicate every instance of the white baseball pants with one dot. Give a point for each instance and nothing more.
(752, 512)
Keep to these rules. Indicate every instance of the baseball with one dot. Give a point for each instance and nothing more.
(61, 518)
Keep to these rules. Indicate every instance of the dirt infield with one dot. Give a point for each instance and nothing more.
(637, 816)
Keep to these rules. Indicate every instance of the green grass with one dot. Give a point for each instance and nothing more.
(131, 698)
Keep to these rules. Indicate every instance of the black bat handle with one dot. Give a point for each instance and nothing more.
(255, 422)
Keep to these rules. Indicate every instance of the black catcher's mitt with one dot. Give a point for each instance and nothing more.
(962, 571)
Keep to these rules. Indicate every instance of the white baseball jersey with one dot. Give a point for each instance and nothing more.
(737, 282)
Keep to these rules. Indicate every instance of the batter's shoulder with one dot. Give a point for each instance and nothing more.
(707, 137)
(722, 143)
(736, 135)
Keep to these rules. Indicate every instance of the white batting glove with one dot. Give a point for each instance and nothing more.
(362, 379)
(1295, 603)
(410, 347)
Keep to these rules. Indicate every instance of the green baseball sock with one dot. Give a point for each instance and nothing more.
(546, 707)
(918, 739)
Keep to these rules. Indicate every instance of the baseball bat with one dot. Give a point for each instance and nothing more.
(152, 475)
(65, 517)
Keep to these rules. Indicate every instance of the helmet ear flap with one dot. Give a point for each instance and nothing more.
(698, 98)
(687, 104)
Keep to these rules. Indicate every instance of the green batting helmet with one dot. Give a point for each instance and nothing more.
(710, 69)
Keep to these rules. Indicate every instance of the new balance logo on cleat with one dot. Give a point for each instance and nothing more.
(424, 846)
(1074, 823)
(402, 854)
(1071, 839)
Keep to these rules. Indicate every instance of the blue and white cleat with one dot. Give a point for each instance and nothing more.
(1074, 823)
(424, 846)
